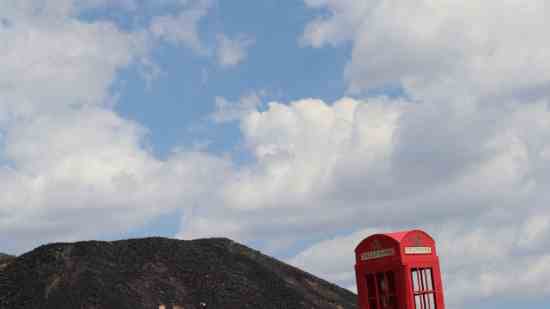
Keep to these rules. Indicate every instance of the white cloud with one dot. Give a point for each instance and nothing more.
(182, 28)
(299, 146)
(232, 51)
(468, 159)
(339, 26)
(440, 49)
(333, 259)
(76, 57)
(303, 151)
(227, 111)
(71, 167)
(463, 170)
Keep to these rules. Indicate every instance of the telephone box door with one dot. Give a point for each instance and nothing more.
(382, 290)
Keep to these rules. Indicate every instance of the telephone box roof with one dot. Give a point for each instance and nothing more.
(396, 236)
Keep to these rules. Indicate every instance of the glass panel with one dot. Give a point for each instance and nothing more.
(391, 281)
(423, 288)
(426, 302)
(382, 284)
(431, 298)
(423, 283)
(371, 290)
(382, 290)
(429, 279)
(372, 304)
(417, 302)
(416, 286)
(384, 302)
(392, 302)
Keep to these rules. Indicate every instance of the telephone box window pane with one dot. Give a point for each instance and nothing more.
(431, 300)
(387, 302)
(419, 280)
(391, 281)
(382, 284)
(429, 280)
(423, 288)
(371, 289)
(417, 301)
(426, 302)
(416, 285)
(372, 304)
(423, 283)
(392, 302)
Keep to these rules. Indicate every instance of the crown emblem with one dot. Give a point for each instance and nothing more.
(416, 241)
(376, 245)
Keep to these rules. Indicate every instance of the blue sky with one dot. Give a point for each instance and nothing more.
(298, 128)
(185, 91)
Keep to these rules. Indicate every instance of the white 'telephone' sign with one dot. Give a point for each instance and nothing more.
(418, 250)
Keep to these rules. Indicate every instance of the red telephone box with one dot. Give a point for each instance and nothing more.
(398, 271)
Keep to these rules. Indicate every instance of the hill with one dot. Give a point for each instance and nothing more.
(4, 256)
(4, 259)
(161, 273)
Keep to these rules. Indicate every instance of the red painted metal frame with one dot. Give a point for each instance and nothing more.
(381, 253)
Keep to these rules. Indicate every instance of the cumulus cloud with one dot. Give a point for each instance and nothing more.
(440, 49)
(338, 26)
(473, 175)
(331, 258)
(469, 156)
(302, 151)
(70, 166)
(232, 51)
(182, 28)
(227, 111)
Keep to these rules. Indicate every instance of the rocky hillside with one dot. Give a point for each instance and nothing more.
(4, 259)
(161, 273)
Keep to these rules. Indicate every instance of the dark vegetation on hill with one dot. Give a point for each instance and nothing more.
(160, 273)
(5, 258)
